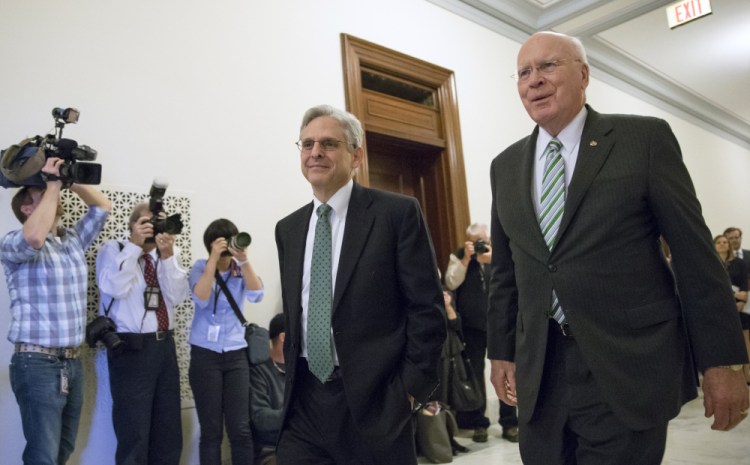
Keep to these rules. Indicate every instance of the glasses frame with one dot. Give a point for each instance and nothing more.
(325, 147)
(546, 68)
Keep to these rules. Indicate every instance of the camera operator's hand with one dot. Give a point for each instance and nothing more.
(239, 254)
(142, 230)
(165, 244)
(468, 252)
(485, 258)
(52, 167)
(218, 246)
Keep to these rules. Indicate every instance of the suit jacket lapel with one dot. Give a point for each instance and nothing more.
(296, 250)
(359, 221)
(526, 179)
(593, 151)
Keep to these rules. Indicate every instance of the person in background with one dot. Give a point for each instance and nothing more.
(735, 268)
(468, 276)
(363, 308)
(47, 278)
(735, 241)
(141, 281)
(586, 331)
(219, 367)
(738, 276)
(267, 395)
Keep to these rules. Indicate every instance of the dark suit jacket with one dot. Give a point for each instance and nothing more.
(629, 187)
(387, 313)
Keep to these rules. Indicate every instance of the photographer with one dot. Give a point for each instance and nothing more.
(219, 370)
(468, 275)
(141, 281)
(46, 274)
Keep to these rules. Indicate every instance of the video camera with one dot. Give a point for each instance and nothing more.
(21, 164)
(162, 223)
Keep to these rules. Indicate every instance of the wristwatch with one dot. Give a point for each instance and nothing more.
(732, 367)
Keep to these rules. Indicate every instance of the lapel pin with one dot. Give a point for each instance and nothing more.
(593, 143)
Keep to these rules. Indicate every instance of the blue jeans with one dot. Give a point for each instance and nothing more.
(49, 417)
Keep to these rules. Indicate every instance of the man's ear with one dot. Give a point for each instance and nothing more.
(357, 156)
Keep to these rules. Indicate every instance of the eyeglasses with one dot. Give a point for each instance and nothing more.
(328, 145)
(548, 67)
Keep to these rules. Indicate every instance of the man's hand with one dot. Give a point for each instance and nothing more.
(165, 244)
(52, 167)
(485, 258)
(142, 230)
(503, 378)
(725, 397)
(468, 252)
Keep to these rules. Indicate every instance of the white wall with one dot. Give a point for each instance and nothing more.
(210, 95)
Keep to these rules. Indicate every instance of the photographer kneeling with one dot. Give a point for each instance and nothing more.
(46, 273)
(141, 281)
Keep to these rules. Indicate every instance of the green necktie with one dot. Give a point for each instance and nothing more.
(553, 206)
(319, 355)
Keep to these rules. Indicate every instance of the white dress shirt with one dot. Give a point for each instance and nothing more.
(339, 204)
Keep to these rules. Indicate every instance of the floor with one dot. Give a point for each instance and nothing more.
(690, 441)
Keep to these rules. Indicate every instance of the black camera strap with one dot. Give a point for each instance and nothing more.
(230, 298)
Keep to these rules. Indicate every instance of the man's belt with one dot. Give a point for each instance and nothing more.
(133, 338)
(59, 352)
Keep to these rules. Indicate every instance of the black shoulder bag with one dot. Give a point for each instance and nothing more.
(257, 338)
(464, 391)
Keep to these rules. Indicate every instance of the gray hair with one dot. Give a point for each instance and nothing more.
(477, 229)
(579, 49)
(349, 123)
(137, 213)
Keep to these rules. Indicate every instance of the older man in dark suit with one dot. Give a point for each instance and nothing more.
(363, 308)
(586, 331)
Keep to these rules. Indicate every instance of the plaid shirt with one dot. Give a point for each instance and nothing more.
(47, 287)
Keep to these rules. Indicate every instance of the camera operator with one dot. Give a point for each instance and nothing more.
(219, 371)
(468, 275)
(141, 281)
(46, 273)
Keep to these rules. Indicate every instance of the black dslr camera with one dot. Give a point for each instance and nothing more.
(480, 247)
(102, 329)
(162, 223)
(22, 162)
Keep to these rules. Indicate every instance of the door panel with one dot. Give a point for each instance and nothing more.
(411, 168)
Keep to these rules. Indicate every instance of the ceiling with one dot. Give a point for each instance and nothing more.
(700, 70)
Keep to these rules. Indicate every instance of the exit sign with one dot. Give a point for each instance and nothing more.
(687, 10)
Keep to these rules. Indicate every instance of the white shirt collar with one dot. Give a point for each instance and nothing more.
(339, 202)
(570, 136)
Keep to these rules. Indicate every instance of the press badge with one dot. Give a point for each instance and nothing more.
(213, 333)
(151, 298)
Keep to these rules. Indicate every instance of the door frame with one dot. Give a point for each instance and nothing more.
(358, 53)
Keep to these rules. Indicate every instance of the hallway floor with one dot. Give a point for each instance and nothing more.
(690, 441)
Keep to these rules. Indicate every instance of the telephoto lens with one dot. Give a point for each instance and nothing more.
(240, 241)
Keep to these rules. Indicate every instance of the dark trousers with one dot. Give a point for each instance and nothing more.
(572, 423)
(145, 385)
(508, 416)
(476, 349)
(319, 429)
(221, 389)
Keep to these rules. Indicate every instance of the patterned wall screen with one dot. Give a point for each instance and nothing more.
(117, 228)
